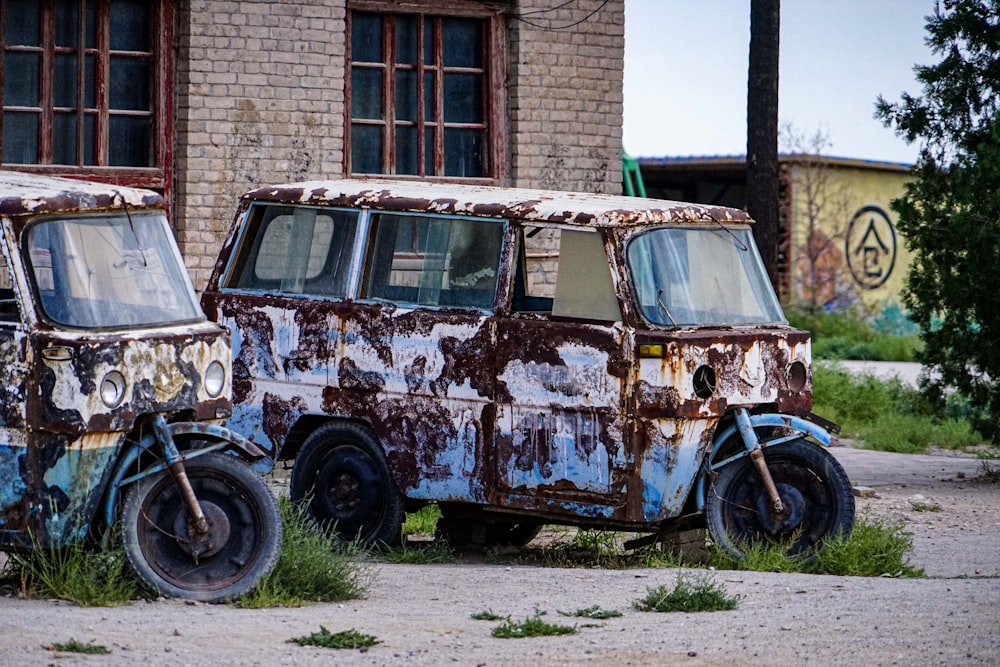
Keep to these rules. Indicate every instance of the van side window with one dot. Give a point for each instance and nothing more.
(564, 273)
(434, 261)
(296, 249)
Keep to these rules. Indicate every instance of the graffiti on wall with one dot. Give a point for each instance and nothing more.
(870, 247)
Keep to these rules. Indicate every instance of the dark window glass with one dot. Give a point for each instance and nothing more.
(67, 15)
(20, 79)
(429, 96)
(366, 93)
(366, 37)
(64, 80)
(366, 149)
(429, 151)
(90, 24)
(463, 98)
(24, 24)
(406, 39)
(463, 153)
(89, 120)
(130, 25)
(64, 138)
(428, 42)
(129, 87)
(89, 69)
(130, 144)
(406, 95)
(406, 149)
(20, 137)
(463, 40)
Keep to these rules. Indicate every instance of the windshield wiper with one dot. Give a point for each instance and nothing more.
(663, 307)
(739, 242)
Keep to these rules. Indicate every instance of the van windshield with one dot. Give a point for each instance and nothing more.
(110, 272)
(701, 276)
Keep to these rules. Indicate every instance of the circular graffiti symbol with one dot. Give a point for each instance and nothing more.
(870, 247)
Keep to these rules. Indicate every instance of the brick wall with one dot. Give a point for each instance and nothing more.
(260, 99)
(566, 96)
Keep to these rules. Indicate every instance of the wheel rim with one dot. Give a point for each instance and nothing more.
(211, 562)
(809, 507)
(349, 491)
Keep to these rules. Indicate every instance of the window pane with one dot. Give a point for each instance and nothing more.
(406, 95)
(463, 42)
(366, 149)
(366, 37)
(429, 97)
(130, 144)
(23, 23)
(463, 153)
(406, 149)
(130, 25)
(66, 22)
(406, 39)
(89, 122)
(463, 98)
(64, 80)
(20, 138)
(129, 87)
(64, 138)
(90, 23)
(89, 67)
(428, 41)
(429, 151)
(20, 79)
(366, 93)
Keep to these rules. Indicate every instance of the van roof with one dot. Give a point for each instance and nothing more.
(574, 208)
(23, 194)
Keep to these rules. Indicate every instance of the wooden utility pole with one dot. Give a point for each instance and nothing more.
(762, 130)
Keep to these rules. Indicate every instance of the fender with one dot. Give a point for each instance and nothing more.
(801, 427)
(216, 438)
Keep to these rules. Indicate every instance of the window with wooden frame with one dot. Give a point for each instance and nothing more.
(85, 88)
(424, 91)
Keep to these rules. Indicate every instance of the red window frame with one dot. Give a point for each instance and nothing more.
(156, 176)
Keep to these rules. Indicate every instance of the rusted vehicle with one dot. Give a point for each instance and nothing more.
(522, 357)
(113, 385)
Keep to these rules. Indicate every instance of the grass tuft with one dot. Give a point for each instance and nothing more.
(418, 553)
(346, 639)
(604, 550)
(314, 566)
(533, 626)
(423, 521)
(592, 612)
(76, 646)
(488, 615)
(689, 594)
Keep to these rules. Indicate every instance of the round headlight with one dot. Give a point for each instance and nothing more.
(113, 389)
(797, 375)
(215, 379)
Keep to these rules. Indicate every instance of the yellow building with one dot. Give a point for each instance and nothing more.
(839, 242)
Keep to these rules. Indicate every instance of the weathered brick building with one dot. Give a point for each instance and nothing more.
(204, 99)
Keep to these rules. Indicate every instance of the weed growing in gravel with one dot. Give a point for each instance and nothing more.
(592, 612)
(423, 521)
(344, 639)
(314, 566)
(689, 594)
(921, 506)
(488, 615)
(601, 549)
(75, 646)
(87, 577)
(418, 553)
(533, 626)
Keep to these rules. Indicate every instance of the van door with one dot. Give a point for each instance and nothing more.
(562, 371)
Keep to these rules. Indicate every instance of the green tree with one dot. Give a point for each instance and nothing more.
(950, 214)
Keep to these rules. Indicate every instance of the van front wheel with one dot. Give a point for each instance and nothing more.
(815, 492)
(342, 473)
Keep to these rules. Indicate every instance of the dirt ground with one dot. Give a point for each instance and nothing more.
(422, 614)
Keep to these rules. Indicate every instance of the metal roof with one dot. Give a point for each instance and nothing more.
(25, 194)
(573, 208)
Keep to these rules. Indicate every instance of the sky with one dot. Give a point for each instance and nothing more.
(686, 74)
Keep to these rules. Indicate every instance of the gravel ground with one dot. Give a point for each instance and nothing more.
(422, 614)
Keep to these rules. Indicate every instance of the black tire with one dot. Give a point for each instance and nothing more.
(814, 488)
(244, 539)
(342, 472)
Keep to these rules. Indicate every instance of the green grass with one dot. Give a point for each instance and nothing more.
(314, 566)
(920, 506)
(850, 335)
(76, 646)
(532, 626)
(691, 593)
(346, 639)
(875, 548)
(87, 577)
(885, 414)
(594, 612)
(423, 521)
(600, 549)
(418, 553)
(488, 615)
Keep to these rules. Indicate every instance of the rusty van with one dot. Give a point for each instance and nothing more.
(113, 385)
(522, 357)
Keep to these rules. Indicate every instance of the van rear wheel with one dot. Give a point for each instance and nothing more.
(342, 473)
